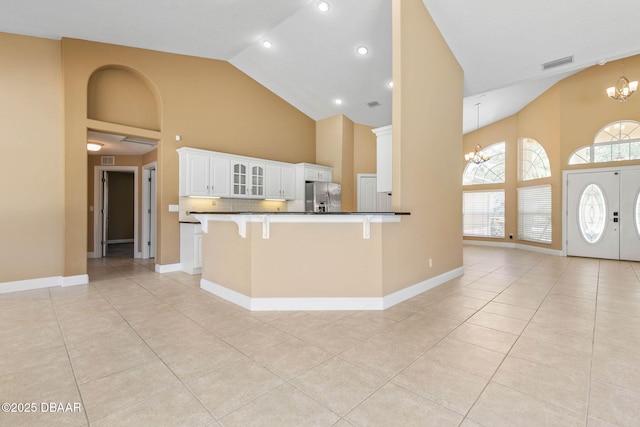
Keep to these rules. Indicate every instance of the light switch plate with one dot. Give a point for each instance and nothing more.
(174, 208)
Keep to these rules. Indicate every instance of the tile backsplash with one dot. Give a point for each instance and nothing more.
(190, 204)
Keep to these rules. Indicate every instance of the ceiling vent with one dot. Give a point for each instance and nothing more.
(140, 141)
(373, 104)
(107, 160)
(557, 62)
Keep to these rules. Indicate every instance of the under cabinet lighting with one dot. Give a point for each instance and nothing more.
(276, 200)
(203, 197)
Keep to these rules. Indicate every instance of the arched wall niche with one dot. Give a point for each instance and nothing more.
(122, 95)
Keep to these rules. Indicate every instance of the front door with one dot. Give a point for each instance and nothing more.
(602, 214)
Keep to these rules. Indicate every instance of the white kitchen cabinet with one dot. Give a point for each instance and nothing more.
(191, 248)
(203, 175)
(247, 179)
(317, 173)
(384, 158)
(281, 182)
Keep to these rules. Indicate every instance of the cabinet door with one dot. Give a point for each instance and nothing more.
(324, 176)
(273, 182)
(219, 176)
(197, 175)
(239, 179)
(288, 183)
(256, 179)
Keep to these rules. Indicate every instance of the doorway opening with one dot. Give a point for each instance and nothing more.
(116, 212)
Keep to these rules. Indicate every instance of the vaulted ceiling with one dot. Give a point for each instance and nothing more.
(500, 44)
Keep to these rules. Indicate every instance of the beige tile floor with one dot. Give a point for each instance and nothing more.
(522, 339)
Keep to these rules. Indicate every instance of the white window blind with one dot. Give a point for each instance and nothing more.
(483, 213)
(534, 213)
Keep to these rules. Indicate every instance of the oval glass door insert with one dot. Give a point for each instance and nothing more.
(592, 213)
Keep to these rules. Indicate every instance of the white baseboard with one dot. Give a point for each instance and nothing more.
(43, 282)
(92, 255)
(328, 303)
(167, 268)
(410, 292)
(80, 279)
(485, 243)
(522, 246)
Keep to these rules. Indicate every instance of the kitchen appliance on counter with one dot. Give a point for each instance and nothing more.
(321, 197)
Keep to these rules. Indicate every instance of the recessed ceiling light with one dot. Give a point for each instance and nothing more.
(323, 6)
(362, 50)
(338, 101)
(267, 44)
(390, 84)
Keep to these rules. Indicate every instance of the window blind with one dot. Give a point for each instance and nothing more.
(483, 213)
(534, 213)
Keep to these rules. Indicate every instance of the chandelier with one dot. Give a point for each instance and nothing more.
(478, 156)
(622, 90)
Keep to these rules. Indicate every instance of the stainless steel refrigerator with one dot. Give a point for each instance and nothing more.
(323, 197)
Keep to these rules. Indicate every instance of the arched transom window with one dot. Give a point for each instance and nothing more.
(533, 160)
(615, 142)
(489, 172)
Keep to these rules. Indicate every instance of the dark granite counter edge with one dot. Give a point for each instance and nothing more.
(299, 213)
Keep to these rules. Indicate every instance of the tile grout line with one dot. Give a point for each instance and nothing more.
(163, 389)
(73, 371)
(513, 345)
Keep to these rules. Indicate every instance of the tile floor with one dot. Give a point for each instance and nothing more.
(522, 339)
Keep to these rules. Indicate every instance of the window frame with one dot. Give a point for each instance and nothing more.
(542, 157)
(489, 214)
(524, 227)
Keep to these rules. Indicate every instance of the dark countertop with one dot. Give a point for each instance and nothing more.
(299, 213)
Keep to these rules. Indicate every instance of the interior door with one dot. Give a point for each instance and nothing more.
(152, 213)
(593, 214)
(630, 215)
(104, 211)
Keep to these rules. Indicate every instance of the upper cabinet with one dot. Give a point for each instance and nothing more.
(317, 173)
(383, 158)
(247, 179)
(204, 175)
(281, 182)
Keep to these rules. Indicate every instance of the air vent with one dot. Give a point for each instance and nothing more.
(557, 63)
(373, 104)
(107, 160)
(139, 141)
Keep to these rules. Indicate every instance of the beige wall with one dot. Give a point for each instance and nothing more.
(427, 140)
(364, 155)
(349, 148)
(564, 118)
(287, 266)
(211, 104)
(32, 163)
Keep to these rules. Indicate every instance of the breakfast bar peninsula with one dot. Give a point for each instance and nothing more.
(296, 260)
